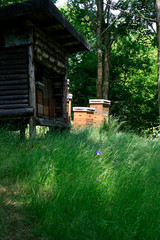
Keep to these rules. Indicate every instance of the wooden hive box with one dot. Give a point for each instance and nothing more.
(101, 110)
(83, 116)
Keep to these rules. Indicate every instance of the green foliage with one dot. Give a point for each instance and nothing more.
(8, 2)
(82, 73)
(112, 126)
(133, 73)
(133, 81)
(64, 190)
(133, 88)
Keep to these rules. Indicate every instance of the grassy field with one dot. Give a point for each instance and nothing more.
(58, 187)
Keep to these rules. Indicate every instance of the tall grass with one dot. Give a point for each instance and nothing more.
(70, 192)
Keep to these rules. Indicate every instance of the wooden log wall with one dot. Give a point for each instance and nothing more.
(13, 79)
(49, 53)
(58, 98)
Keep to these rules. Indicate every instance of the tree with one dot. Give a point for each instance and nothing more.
(133, 85)
(99, 17)
(157, 7)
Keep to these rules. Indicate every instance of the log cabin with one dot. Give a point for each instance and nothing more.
(35, 43)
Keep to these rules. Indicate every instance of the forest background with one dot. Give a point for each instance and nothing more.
(122, 63)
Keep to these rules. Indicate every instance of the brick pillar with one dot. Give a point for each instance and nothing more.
(83, 116)
(101, 110)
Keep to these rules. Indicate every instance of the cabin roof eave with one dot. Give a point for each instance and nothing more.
(45, 14)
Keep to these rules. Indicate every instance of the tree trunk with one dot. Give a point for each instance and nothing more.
(99, 51)
(157, 5)
(106, 59)
(106, 73)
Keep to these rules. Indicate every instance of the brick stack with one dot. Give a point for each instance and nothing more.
(101, 110)
(83, 116)
(93, 115)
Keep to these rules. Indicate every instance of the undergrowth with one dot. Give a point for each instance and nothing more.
(70, 191)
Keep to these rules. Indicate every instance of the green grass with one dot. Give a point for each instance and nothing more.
(56, 188)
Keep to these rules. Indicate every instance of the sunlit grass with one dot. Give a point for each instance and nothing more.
(70, 192)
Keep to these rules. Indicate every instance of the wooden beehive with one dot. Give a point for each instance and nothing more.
(34, 46)
(101, 110)
(83, 116)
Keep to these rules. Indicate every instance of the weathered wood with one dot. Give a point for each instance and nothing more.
(13, 71)
(24, 112)
(12, 56)
(51, 122)
(49, 42)
(14, 97)
(10, 67)
(2, 102)
(49, 47)
(14, 87)
(13, 77)
(64, 98)
(13, 92)
(48, 15)
(13, 82)
(49, 64)
(13, 62)
(32, 91)
(13, 106)
(50, 55)
(14, 50)
(16, 37)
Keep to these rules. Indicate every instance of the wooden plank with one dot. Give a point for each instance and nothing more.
(14, 97)
(13, 82)
(64, 98)
(20, 101)
(12, 56)
(13, 92)
(13, 106)
(14, 50)
(13, 62)
(14, 87)
(49, 64)
(51, 56)
(57, 54)
(32, 91)
(10, 67)
(16, 37)
(51, 122)
(13, 77)
(13, 71)
(24, 112)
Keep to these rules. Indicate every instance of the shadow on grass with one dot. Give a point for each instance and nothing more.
(13, 222)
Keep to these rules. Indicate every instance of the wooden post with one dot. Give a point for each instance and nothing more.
(64, 98)
(32, 91)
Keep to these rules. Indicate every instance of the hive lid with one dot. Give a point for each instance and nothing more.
(99, 101)
(83, 109)
(70, 96)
